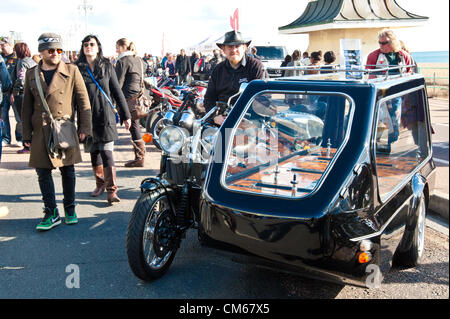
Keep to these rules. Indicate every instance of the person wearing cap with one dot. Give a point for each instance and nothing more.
(237, 68)
(9, 57)
(66, 94)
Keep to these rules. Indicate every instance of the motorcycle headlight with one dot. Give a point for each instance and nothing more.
(209, 134)
(171, 139)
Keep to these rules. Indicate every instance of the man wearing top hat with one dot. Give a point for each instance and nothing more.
(237, 68)
(66, 95)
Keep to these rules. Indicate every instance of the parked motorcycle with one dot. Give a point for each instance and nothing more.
(170, 204)
(168, 110)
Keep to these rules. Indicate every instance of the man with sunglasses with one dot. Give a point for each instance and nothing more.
(66, 95)
(389, 53)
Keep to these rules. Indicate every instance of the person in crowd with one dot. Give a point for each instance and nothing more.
(66, 96)
(129, 70)
(389, 53)
(315, 60)
(413, 62)
(199, 67)
(171, 67)
(195, 63)
(9, 56)
(295, 62)
(305, 60)
(36, 58)
(192, 59)
(164, 60)
(287, 59)
(24, 62)
(5, 84)
(213, 62)
(227, 77)
(328, 58)
(102, 86)
(254, 53)
(182, 67)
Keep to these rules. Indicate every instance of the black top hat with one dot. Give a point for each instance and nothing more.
(233, 38)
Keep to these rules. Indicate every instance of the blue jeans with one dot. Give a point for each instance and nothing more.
(6, 133)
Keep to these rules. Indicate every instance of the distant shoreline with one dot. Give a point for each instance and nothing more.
(434, 64)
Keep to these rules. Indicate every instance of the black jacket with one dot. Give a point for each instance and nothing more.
(225, 81)
(103, 118)
(183, 65)
(129, 73)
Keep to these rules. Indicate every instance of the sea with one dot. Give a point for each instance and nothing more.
(430, 56)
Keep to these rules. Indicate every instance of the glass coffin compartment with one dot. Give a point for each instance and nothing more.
(284, 143)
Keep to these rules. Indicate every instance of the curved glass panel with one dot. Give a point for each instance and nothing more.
(285, 142)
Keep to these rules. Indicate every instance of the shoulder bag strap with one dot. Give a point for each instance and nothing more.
(100, 88)
(104, 94)
(41, 93)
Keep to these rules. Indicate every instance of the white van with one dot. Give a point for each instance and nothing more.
(271, 56)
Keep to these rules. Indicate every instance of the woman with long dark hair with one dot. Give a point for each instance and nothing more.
(102, 85)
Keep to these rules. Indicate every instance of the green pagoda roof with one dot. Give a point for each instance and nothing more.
(351, 14)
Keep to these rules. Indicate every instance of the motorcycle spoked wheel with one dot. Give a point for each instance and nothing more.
(151, 239)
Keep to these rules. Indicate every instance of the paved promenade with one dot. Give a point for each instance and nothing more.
(129, 179)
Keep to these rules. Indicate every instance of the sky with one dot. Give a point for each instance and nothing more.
(187, 22)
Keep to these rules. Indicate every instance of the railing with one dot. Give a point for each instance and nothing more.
(360, 72)
(433, 77)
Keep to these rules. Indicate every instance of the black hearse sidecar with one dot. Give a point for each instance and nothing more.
(323, 175)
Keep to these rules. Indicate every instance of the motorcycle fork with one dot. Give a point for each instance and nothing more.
(183, 217)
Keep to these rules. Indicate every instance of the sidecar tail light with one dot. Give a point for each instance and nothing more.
(364, 257)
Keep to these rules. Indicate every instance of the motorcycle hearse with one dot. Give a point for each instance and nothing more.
(325, 175)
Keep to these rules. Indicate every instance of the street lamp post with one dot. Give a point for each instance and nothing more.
(85, 7)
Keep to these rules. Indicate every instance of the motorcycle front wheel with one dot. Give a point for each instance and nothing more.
(151, 236)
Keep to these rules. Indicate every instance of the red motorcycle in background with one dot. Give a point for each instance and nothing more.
(168, 99)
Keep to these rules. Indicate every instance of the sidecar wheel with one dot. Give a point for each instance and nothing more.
(151, 240)
(411, 257)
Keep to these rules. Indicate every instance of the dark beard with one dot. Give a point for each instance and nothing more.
(50, 63)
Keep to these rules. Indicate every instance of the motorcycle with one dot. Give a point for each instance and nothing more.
(169, 204)
(168, 109)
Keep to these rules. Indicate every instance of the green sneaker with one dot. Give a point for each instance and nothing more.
(71, 217)
(50, 220)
